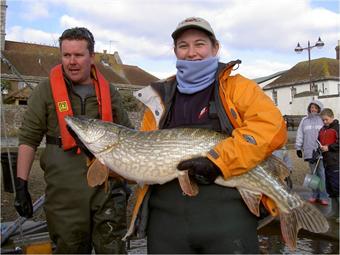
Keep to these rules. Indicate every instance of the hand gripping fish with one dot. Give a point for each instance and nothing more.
(152, 158)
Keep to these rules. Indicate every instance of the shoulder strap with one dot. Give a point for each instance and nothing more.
(62, 105)
(103, 95)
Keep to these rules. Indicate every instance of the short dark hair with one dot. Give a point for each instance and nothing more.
(327, 112)
(78, 33)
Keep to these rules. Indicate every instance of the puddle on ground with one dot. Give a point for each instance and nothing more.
(274, 245)
(271, 242)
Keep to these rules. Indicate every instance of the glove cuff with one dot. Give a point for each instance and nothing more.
(21, 184)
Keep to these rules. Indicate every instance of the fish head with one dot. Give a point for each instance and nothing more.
(95, 134)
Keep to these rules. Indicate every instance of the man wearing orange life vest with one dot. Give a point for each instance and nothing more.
(79, 218)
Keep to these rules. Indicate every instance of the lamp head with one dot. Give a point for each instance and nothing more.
(319, 43)
(298, 48)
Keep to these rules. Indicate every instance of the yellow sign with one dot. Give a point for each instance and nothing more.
(63, 107)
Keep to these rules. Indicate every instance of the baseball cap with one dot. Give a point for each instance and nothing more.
(193, 22)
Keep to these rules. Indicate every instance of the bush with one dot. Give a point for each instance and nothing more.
(130, 103)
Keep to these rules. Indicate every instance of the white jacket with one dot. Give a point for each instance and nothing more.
(308, 131)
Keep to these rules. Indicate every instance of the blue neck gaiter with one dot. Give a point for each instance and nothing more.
(194, 76)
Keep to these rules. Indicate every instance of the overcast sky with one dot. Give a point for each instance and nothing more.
(262, 33)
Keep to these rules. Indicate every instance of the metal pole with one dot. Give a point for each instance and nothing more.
(310, 68)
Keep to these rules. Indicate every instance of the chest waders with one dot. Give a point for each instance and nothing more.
(81, 218)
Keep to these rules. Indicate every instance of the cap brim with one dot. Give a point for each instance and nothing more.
(176, 33)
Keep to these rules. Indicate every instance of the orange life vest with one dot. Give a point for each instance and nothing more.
(64, 107)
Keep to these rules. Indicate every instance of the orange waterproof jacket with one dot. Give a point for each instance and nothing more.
(259, 127)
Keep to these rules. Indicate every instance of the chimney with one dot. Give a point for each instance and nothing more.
(117, 58)
(104, 58)
(3, 8)
(337, 50)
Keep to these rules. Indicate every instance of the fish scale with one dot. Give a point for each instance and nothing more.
(152, 157)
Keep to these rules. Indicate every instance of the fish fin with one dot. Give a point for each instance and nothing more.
(252, 200)
(188, 187)
(97, 173)
(265, 221)
(311, 219)
(277, 167)
(307, 217)
(289, 229)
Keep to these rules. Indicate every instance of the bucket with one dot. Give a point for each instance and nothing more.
(6, 174)
(312, 181)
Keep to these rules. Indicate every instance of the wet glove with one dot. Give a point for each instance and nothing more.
(202, 169)
(23, 201)
(299, 153)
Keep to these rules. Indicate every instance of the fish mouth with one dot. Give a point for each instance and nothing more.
(90, 132)
(80, 127)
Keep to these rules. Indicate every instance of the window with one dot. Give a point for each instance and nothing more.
(275, 96)
(21, 85)
(314, 87)
(293, 92)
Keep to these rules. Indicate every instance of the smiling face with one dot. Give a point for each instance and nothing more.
(193, 45)
(77, 60)
(314, 109)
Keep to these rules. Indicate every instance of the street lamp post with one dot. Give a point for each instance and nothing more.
(299, 49)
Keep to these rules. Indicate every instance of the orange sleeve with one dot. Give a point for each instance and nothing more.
(261, 128)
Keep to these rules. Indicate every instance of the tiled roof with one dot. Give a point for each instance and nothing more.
(36, 60)
(321, 69)
(269, 77)
(30, 47)
(138, 76)
(30, 64)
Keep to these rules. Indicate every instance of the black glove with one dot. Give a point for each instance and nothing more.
(201, 168)
(315, 156)
(23, 201)
(299, 153)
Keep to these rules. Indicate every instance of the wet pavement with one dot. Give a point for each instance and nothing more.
(271, 242)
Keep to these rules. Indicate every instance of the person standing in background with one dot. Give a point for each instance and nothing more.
(306, 142)
(329, 139)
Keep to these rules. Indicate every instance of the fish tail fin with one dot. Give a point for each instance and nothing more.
(311, 219)
(188, 187)
(307, 217)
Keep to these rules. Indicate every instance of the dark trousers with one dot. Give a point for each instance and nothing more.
(215, 221)
(332, 180)
(81, 218)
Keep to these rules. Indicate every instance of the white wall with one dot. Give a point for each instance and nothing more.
(298, 106)
(329, 87)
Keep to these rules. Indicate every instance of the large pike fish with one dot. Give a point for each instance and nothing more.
(152, 158)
